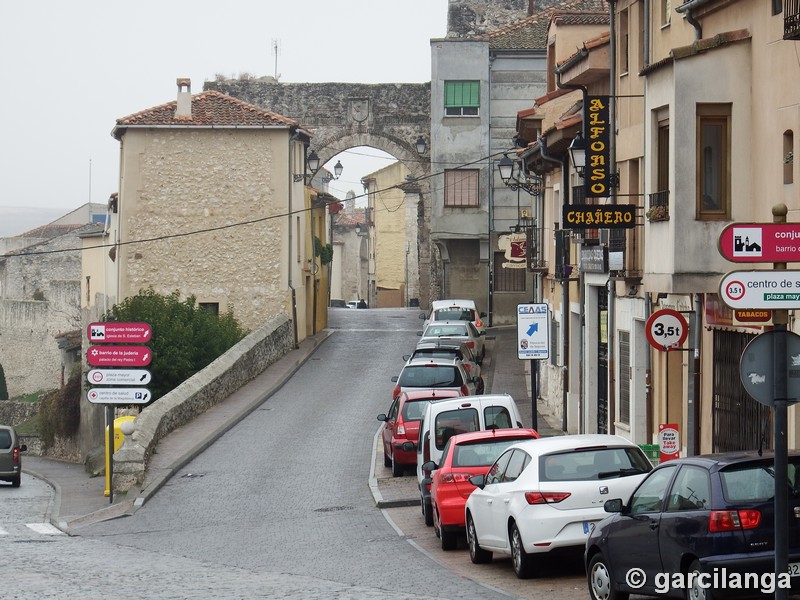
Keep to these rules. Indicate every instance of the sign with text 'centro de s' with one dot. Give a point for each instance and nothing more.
(761, 289)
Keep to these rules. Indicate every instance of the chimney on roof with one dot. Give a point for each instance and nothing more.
(184, 107)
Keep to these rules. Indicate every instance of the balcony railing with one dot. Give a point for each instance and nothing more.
(791, 19)
(659, 206)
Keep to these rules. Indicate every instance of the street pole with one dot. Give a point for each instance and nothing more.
(780, 319)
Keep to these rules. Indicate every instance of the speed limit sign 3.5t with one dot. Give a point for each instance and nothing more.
(666, 329)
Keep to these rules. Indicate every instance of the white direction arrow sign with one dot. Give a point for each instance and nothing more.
(119, 395)
(533, 334)
(761, 289)
(119, 376)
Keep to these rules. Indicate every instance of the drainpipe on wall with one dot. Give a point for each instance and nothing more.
(290, 182)
(686, 9)
(612, 159)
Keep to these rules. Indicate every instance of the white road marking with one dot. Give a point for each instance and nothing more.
(45, 528)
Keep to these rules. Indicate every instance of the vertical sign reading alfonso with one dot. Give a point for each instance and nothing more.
(596, 173)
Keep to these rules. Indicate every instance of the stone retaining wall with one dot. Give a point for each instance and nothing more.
(16, 413)
(197, 394)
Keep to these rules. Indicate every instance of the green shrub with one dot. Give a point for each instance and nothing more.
(185, 338)
(3, 386)
(60, 410)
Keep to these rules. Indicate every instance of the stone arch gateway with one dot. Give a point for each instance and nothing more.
(386, 116)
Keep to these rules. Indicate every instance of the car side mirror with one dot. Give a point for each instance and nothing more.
(429, 466)
(382, 417)
(23, 448)
(479, 481)
(423, 316)
(483, 315)
(419, 334)
(394, 379)
(613, 506)
(406, 357)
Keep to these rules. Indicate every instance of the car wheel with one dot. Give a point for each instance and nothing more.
(397, 470)
(599, 579)
(387, 460)
(481, 387)
(449, 539)
(15, 481)
(696, 591)
(476, 554)
(522, 561)
(427, 512)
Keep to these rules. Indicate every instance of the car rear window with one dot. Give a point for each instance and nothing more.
(414, 411)
(430, 376)
(756, 482)
(450, 422)
(446, 330)
(5, 439)
(481, 454)
(437, 353)
(453, 314)
(593, 464)
(497, 417)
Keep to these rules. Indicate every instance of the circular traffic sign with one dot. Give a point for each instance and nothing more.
(759, 368)
(734, 290)
(666, 329)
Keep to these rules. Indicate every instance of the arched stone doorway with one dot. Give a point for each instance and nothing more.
(389, 117)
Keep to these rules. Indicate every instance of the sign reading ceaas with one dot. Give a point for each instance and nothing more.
(590, 216)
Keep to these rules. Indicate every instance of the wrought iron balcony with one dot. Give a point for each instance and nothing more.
(659, 206)
(791, 19)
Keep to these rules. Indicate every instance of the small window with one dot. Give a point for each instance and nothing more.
(212, 307)
(713, 162)
(461, 188)
(497, 417)
(462, 98)
(666, 12)
(5, 439)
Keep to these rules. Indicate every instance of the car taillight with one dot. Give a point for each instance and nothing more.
(15, 455)
(733, 520)
(468, 367)
(396, 392)
(455, 478)
(464, 390)
(470, 344)
(546, 497)
(400, 429)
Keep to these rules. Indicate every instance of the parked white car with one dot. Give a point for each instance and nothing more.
(454, 331)
(446, 418)
(548, 493)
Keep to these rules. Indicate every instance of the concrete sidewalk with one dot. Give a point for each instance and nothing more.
(80, 500)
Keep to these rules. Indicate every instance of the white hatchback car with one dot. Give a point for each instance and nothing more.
(438, 332)
(548, 493)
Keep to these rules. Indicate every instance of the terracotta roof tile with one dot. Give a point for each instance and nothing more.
(208, 108)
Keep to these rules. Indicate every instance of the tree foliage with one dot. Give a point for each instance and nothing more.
(186, 337)
(60, 410)
(3, 385)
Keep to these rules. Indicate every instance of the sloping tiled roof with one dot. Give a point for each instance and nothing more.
(208, 108)
(50, 231)
(531, 32)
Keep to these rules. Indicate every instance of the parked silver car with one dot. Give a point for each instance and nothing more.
(455, 331)
(10, 455)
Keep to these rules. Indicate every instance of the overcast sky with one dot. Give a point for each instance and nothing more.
(71, 69)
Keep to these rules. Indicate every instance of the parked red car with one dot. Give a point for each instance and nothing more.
(464, 455)
(402, 425)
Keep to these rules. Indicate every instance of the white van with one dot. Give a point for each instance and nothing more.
(445, 418)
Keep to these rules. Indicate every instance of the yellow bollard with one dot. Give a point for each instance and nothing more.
(119, 437)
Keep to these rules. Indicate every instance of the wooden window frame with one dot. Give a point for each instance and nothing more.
(713, 174)
(461, 188)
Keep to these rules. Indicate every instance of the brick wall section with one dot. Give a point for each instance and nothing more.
(197, 394)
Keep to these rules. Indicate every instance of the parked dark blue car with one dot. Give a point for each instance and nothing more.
(696, 528)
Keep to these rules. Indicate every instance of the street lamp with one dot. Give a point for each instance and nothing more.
(313, 164)
(509, 173)
(577, 152)
(421, 146)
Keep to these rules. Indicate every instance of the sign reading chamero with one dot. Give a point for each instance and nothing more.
(597, 171)
(588, 216)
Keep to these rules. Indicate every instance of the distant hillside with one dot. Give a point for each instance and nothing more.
(15, 220)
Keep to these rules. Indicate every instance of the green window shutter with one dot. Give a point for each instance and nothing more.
(461, 93)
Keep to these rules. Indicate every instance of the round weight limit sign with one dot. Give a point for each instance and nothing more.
(666, 329)
(734, 290)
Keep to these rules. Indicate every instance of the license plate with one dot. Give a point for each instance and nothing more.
(794, 569)
(589, 525)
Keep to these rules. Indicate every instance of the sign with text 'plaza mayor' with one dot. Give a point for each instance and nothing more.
(761, 289)
(760, 242)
